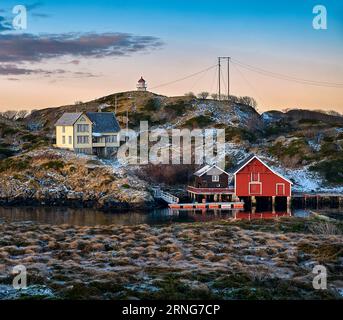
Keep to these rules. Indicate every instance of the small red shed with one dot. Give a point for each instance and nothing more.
(255, 178)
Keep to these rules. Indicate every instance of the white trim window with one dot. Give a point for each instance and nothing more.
(215, 178)
(63, 129)
(280, 191)
(255, 188)
(83, 128)
(255, 177)
(111, 139)
(63, 140)
(70, 139)
(82, 139)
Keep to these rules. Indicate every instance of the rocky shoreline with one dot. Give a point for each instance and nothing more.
(62, 178)
(90, 204)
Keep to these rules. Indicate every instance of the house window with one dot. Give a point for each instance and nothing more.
(255, 177)
(63, 129)
(82, 139)
(63, 140)
(215, 178)
(111, 139)
(70, 140)
(83, 128)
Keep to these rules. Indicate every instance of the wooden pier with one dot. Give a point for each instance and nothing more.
(209, 205)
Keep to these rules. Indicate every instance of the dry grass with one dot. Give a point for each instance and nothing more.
(177, 261)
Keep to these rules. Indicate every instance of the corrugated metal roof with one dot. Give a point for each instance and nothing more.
(201, 171)
(103, 122)
(207, 168)
(68, 119)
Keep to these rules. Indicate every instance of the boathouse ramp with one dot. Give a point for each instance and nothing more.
(166, 196)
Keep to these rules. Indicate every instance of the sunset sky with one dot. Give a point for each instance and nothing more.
(81, 50)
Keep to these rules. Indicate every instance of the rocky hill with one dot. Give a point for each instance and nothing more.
(307, 146)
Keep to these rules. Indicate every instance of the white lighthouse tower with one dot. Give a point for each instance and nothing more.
(141, 85)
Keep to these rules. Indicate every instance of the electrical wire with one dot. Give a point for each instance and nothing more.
(184, 78)
(286, 77)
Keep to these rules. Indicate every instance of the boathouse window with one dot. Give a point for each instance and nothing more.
(215, 178)
(255, 188)
(280, 189)
(255, 177)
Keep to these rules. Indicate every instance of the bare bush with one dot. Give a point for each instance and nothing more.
(325, 228)
(203, 95)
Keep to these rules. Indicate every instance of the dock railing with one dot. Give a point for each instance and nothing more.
(166, 196)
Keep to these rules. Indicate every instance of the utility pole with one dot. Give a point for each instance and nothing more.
(228, 79)
(127, 118)
(228, 75)
(219, 74)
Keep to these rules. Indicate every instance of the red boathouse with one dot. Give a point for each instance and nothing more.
(255, 178)
(250, 180)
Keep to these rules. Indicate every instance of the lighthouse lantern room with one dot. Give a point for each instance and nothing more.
(141, 85)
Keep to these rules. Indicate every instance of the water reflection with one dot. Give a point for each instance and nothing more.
(91, 217)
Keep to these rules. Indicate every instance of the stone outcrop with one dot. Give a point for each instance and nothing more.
(55, 177)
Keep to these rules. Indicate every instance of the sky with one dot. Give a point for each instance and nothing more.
(82, 50)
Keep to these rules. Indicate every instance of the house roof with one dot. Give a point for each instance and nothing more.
(141, 80)
(207, 168)
(249, 159)
(68, 118)
(103, 122)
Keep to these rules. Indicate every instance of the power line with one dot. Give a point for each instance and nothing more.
(287, 77)
(184, 78)
(248, 82)
(202, 75)
(214, 79)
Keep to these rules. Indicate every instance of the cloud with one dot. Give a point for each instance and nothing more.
(11, 69)
(14, 70)
(35, 48)
(41, 15)
(5, 25)
(74, 62)
(37, 5)
(34, 5)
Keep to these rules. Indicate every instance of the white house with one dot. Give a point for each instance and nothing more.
(88, 132)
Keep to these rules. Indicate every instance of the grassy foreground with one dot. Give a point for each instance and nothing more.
(221, 259)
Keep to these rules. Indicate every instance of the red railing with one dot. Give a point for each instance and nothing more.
(210, 190)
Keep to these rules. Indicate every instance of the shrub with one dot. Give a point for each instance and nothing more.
(199, 122)
(178, 108)
(5, 152)
(332, 170)
(54, 164)
(17, 164)
(152, 105)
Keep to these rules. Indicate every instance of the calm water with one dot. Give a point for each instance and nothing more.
(91, 217)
